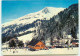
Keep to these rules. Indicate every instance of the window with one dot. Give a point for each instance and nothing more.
(37, 46)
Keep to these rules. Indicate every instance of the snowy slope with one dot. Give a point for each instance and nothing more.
(47, 13)
(22, 24)
(25, 38)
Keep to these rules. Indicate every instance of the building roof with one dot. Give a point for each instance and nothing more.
(74, 41)
(33, 42)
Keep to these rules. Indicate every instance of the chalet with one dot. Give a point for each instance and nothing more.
(36, 45)
(75, 43)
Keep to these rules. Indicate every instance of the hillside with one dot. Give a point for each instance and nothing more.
(21, 26)
(59, 26)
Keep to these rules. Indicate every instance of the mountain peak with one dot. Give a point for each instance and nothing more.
(45, 10)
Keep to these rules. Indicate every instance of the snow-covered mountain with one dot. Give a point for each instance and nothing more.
(60, 26)
(45, 13)
(25, 25)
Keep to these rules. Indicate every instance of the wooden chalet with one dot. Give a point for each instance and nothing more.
(75, 43)
(36, 45)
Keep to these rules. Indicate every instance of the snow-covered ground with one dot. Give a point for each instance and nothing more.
(50, 51)
(25, 38)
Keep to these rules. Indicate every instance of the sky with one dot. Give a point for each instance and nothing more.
(13, 9)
